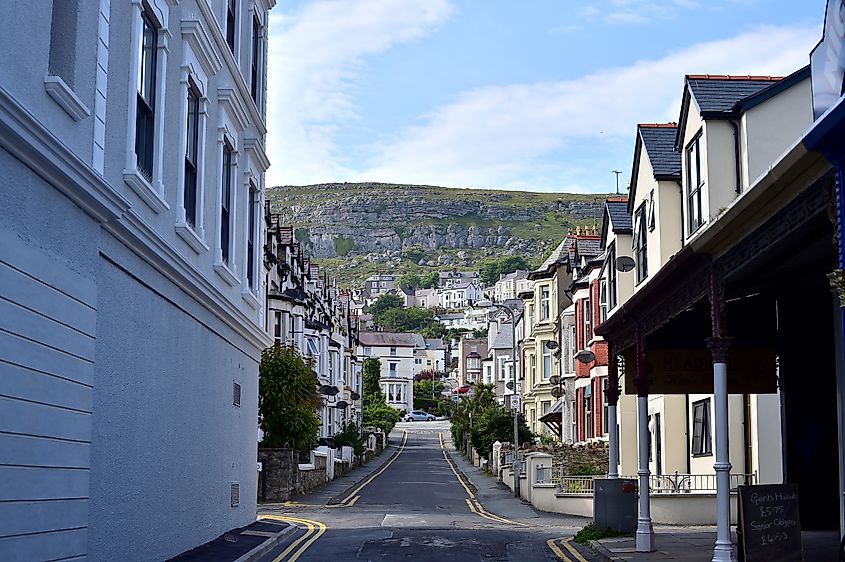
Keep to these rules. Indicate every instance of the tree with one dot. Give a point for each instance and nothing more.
(379, 414)
(423, 389)
(491, 269)
(496, 424)
(287, 400)
(429, 280)
(404, 319)
(409, 281)
(386, 302)
(372, 376)
(434, 330)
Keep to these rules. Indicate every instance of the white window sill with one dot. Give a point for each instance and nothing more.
(187, 233)
(145, 191)
(227, 274)
(250, 298)
(63, 95)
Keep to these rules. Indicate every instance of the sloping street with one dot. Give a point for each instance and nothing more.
(424, 503)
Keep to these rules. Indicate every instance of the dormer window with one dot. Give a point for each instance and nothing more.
(695, 182)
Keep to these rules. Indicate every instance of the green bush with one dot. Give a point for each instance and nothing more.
(586, 470)
(592, 533)
(496, 424)
(379, 414)
(287, 400)
(350, 436)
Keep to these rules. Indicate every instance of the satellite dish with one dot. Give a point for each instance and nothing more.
(625, 263)
(509, 385)
(341, 405)
(586, 356)
(557, 392)
(551, 344)
(554, 379)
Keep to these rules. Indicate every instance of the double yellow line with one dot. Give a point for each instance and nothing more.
(472, 502)
(313, 531)
(353, 496)
(552, 544)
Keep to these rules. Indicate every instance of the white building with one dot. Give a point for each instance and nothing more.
(396, 353)
(132, 177)
(510, 285)
(460, 295)
(426, 298)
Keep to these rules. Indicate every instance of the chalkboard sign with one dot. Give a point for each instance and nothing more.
(769, 529)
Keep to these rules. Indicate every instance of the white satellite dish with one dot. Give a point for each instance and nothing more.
(625, 263)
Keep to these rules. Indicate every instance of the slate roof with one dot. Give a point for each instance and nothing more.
(617, 212)
(390, 339)
(719, 93)
(503, 339)
(558, 255)
(587, 247)
(659, 143)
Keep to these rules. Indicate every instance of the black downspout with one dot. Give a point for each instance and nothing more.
(737, 154)
(746, 437)
(686, 432)
(681, 188)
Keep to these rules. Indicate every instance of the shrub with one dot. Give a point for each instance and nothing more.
(350, 436)
(592, 533)
(287, 400)
(379, 414)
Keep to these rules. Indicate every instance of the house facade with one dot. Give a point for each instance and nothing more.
(459, 295)
(378, 285)
(470, 353)
(510, 285)
(133, 162)
(396, 351)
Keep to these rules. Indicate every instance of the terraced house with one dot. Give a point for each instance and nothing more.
(132, 164)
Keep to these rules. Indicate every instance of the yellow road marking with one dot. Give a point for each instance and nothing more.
(556, 549)
(378, 473)
(313, 532)
(473, 503)
(573, 551)
(355, 499)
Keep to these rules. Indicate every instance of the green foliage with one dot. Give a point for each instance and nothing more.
(586, 470)
(434, 330)
(592, 533)
(426, 404)
(547, 440)
(342, 246)
(491, 269)
(386, 302)
(372, 375)
(423, 389)
(429, 280)
(379, 414)
(303, 236)
(287, 400)
(468, 410)
(350, 436)
(496, 424)
(479, 333)
(409, 281)
(405, 319)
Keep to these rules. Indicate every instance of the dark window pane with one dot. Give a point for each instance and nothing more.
(250, 259)
(226, 201)
(256, 50)
(145, 103)
(231, 23)
(191, 157)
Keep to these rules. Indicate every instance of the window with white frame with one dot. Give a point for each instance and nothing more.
(417, 361)
(651, 211)
(255, 60)
(250, 241)
(530, 315)
(392, 369)
(231, 23)
(277, 328)
(695, 184)
(574, 422)
(547, 362)
(641, 243)
(602, 300)
(586, 313)
(544, 303)
(192, 149)
(701, 438)
(368, 350)
(226, 200)
(146, 100)
(393, 352)
(588, 413)
(611, 275)
(604, 407)
(533, 363)
(63, 32)
(312, 348)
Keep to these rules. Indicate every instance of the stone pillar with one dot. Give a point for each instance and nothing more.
(645, 530)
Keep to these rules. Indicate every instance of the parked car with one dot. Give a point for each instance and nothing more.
(419, 415)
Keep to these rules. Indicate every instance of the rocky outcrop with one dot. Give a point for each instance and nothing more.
(383, 222)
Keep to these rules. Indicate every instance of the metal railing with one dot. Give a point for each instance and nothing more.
(666, 484)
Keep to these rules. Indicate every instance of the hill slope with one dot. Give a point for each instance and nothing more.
(356, 229)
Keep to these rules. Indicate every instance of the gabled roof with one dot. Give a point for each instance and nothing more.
(558, 255)
(717, 95)
(659, 142)
(587, 247)
(504, 338)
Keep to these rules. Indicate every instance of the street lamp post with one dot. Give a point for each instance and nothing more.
(514, 403)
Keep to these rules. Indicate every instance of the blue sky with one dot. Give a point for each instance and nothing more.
(541, 95)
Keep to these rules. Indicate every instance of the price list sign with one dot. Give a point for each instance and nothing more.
(769, 526)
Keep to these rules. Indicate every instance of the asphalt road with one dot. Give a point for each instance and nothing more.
(421, 506)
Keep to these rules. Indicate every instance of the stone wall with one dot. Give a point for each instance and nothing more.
(278, 476)
(576, 458)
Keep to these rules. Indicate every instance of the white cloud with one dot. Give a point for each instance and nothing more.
(551, 134)
(315, 58)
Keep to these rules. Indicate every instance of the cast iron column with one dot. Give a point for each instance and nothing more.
(719, 346)
(612, 392)
(645, 530)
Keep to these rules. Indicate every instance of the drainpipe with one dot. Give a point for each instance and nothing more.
(737, 154)
(686, 432)
(746, 438)
(681, 189)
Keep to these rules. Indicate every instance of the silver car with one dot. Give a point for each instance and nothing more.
(419, 415)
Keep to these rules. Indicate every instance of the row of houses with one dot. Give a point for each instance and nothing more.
(696, 334)
(455, 290)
